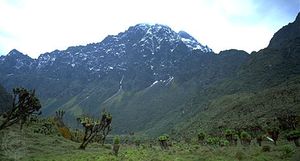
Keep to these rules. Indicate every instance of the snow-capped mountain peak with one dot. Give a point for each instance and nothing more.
(191, 42)
(156, 47)
(158, 33)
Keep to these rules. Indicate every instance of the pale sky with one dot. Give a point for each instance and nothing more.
(38, 26)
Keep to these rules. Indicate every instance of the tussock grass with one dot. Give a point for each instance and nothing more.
(28, 146)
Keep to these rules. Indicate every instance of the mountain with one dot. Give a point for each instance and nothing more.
(265, 87)
(155, 80)
(129, 74)
(286, 34)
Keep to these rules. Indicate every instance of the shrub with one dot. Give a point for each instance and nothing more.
(116, 145)
(163, 141)
(65, 132)
(294, 136)
(116, 140)
(245, 138)
(47, 128)
(231, 137)
(201, 136)
(223, 142)
(137, 142)
(266, 148)
(259, 139)
(213, 141)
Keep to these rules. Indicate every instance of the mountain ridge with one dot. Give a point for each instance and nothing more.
(150, 79)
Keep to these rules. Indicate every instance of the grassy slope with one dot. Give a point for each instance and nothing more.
(28, 146)
(245, 109)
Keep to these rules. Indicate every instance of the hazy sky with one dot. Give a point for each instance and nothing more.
(38, 26)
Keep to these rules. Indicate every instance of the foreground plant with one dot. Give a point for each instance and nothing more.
(116, 145)
(93, 127)
(60, 125)
(163, 141)
(25, 104)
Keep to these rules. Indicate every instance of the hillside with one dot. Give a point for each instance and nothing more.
(265, 87)
(5, 100)
(258, 88)
(154, 80)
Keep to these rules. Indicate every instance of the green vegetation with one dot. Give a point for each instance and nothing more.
(92, 127)
(259, 139)
(26, 145)
(231, 137)
(163, 141)
(25, 104)
(245, 138)
(116, 145)
(201, 137)
(294, 136)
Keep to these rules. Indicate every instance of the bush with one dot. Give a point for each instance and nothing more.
(259, 139)
(65, 132)
(294, 136)
(116, 145)
(266, 148)
(201, 136)
(137, 142)
(245, 138)
(231, 137)
(213, 141)
(223, 142)
(116, 140)
(46, 128)
(163, 141)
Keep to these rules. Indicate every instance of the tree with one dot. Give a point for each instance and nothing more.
(25, 104)
(163, 141)
(93, 127)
